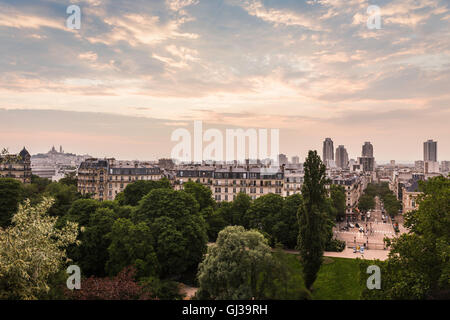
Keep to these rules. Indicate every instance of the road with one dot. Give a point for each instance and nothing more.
(374, 230)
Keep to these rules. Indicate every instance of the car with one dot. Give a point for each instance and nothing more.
(351, 225)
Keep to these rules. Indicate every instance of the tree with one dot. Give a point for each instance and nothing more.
(10, 196)
(182, 213)
(263, 214)
(31, 250)
(81, 211)
(92, 253)
(236, 266)
(285, 229)
(70, 179)
(337, 195)
(215, 222)
(312, 215)
(202, 194)
(134, 192)
(366, 203)
(418, 266)
(121, 287)
(64, 196)
(131, 245)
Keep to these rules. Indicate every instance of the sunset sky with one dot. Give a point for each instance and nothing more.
(137, 70)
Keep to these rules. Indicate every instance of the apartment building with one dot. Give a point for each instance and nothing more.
(103, 179)
(293, 181)
(16, 166)
(354, 187)
(226, 182)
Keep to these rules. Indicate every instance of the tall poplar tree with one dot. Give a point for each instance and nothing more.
(312, 218)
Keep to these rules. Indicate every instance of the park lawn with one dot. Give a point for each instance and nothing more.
(338, 278)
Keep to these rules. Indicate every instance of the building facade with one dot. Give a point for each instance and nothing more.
(328, 151)
(226, 182)
(17, 166)
(103, 179)
(341, 157)
(430, 151)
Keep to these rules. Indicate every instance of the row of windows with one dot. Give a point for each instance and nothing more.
(244, 190)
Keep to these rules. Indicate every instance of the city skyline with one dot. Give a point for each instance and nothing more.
(131, 75)
(295, 158)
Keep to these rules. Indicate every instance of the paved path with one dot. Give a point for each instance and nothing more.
(368, 254)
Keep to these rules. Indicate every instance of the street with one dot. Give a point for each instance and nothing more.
(375, 230)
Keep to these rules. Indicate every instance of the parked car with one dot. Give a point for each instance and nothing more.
(351, 225)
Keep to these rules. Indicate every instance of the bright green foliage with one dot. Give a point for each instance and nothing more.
(236, 267)
(313, 218)
(419, 262)
(10, 196)
(32, 249)
(131, 244)
(135, 191)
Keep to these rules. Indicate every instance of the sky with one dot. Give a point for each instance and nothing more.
(138, 70)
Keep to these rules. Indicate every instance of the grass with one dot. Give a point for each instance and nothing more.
(338, 278)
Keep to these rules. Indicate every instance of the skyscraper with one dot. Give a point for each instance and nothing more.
(341, 157)
(367, 150)
(367, 160)
(430, 150)
(328, 150)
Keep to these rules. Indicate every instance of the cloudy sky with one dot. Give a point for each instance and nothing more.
(137, 70)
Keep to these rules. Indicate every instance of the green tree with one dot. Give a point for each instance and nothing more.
(337, 195)
(418, 266)
(10, 196)
(70, 179)
(236, 267)
(81, 211)
(92, 253)
(135, 191)
(182, 211)
(285, 229)
(313, 219)
(366, 203)
(263, 214)
(202, 194)
(64, 196)
(131, 245)
(32, 249)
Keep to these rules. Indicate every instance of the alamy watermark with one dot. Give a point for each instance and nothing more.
(74, 280)
(74, 20)
(374, 19)
(191, 149)
(374, 281)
